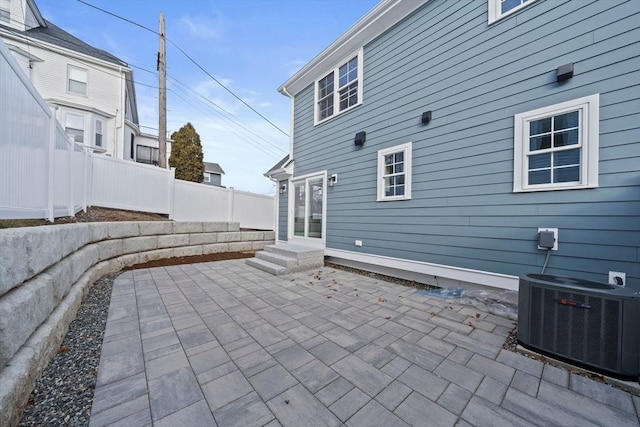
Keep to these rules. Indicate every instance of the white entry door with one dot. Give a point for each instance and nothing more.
(307, 219)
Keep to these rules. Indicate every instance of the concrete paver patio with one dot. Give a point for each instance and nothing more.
(226, 344)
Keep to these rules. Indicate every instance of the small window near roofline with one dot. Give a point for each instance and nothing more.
(498, 9)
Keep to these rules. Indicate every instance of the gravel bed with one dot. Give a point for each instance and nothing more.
(64, 393)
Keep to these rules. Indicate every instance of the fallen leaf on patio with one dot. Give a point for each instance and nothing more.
(286, 401)
(380, 299)
(432, 313)
(388, 318)
(472, 325)
(477, 315)
(329, 296)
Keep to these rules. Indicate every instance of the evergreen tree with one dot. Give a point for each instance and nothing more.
(186, 154)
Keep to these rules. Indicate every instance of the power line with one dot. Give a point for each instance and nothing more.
(190, 59)
(232, 119)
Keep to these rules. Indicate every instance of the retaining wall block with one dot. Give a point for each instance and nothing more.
(154, 228)
(98, 231)
(270, 235)
(210, 227)
(187, 227)
(187, 251)
(21, 312)
(108, 249)
(81, 261)
(251, 235)
(155, 254)
(17, 381)
(61, 274)
(173, 240)
(139, 244)
(13, 253)
(122, 229)
(259, 245)
(240, 246)
(73, 237)
(202, 238)
(231, 236)
(234, 226)
(127, 260)
(215, 248)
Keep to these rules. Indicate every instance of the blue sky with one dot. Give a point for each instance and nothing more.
(252, 46)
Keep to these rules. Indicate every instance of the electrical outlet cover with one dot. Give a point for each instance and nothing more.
(555, 235)
(616, 276)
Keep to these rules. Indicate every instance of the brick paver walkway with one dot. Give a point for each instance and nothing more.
(225, 344)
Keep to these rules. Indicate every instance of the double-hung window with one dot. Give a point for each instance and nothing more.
(5, 11)
(74, 126)
(98, 130)
(339, 90)
(556, 147)
(77, 80)
(498, 9)
(394, 173)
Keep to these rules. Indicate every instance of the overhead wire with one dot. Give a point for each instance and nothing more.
(219, 110)
(190, 59)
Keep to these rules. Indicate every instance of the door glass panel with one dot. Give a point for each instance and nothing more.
(315, 208)
(299, 205)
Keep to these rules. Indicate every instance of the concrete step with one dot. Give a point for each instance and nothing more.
(269, 267)
(295, 251)
(274, 258)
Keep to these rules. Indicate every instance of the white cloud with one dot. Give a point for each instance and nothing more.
(202, 27)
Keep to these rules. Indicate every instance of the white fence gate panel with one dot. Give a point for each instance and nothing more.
(123, 184)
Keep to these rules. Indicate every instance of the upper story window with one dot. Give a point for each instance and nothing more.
(339, 90)
(77, 80)
(5, 11)
(500, 8)
(98, 130)
(74, 126)
(207, 177)
(556, 147)
(394, 173)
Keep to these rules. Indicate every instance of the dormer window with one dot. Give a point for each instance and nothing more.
(339, 90)
(5, 11)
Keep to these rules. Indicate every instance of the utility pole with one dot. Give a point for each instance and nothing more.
(162, 108)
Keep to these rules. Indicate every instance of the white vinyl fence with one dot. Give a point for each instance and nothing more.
(123, 184)
(42, 173)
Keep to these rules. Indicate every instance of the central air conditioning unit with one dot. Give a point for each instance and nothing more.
(595, 325)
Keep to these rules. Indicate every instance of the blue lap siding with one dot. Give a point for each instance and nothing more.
(475, 77)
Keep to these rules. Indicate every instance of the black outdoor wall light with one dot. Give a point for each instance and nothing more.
(360, 138)
(564, 72)
(426, 117)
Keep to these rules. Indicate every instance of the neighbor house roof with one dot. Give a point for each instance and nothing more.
(279, 167)
(213, 168)
(52, 34)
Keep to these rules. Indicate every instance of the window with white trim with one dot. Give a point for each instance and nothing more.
(339, 90)
(74, 126)
(498, 9)
(394, 173)
(98, 130)
(207, 177)
(76, 80)
(5, 11)
(556, 147)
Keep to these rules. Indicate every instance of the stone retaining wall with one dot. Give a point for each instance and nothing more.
(45, 272)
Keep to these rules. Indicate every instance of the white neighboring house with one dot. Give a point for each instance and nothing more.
(92, 91)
